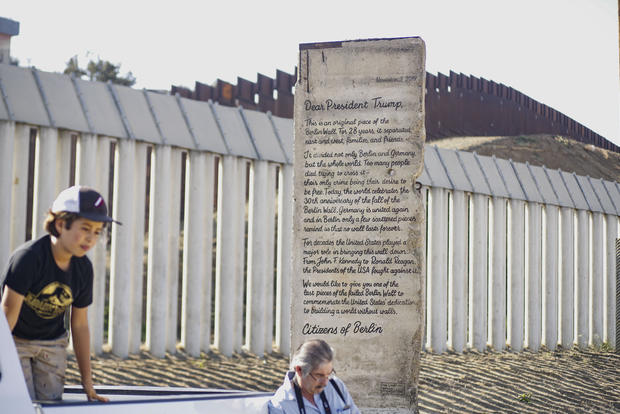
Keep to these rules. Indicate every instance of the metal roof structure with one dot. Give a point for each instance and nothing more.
(470, 172)
(60, 101)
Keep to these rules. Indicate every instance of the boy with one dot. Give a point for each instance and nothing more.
(42, 279)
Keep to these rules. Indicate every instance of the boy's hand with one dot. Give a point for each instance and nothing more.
(92, 395)
(81, 347)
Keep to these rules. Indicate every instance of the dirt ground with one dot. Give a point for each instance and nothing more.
(561, 381)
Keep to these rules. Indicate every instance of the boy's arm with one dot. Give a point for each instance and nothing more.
(81, 347)
(11, 305)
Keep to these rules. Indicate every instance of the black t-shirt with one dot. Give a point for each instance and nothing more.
(47, 289)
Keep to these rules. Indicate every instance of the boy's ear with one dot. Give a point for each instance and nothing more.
(60, 225)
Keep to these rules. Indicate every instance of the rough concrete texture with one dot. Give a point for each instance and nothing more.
(358, 243)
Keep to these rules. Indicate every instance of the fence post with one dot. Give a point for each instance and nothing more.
(173, 246)
(269, 296)
(424, 195)
(567, 280)
(122, 252)
(437, 270)
(533, 293)
(597, 281)
(88, 160)
(498, 274)
(582, 278)
(7, 140)
(207, 287)
(617, 294)
(516, 268)
(159, 249)
(100, 256)
(196, 251)
(63, 161)
(284, 266)
(478, 281)
(457, 286)
(19, 181)
(257, 259)
(139, 200)
(238, 287)
(610, 280)
(550, 281)
(225, 276)
(44, 177)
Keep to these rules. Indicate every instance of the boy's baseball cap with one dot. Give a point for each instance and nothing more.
(83, 201)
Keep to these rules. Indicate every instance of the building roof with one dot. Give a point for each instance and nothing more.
(9, 27)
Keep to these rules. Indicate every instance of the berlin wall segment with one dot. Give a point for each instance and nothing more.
(358, 257)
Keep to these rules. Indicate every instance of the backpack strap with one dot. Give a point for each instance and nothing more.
(333, 382)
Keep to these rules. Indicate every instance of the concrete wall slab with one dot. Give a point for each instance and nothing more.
(475, 174)
(574, 190)
(264, 135)
(234, 131)
(564, 199)
(510, 179)
(589, 194)
(493, 176)
(64, 105)
(23, 95)
(133, 103)
(613, 189)
(527, 182)
(171, 122)
(101, 108)
(436, 172)
(606, 204)
(544, 186)
(450, 161)
(203, 124)
(284, 128)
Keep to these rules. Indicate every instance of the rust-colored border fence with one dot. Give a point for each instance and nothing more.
(460, 105)
(456, 105)
(266, 95)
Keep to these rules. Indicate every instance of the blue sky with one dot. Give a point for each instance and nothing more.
(563, 53)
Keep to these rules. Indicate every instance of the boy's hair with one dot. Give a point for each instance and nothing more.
(50, 221)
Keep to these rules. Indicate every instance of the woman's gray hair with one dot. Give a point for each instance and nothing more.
(311, 354)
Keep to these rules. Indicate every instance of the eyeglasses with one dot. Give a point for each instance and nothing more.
(321, 377)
